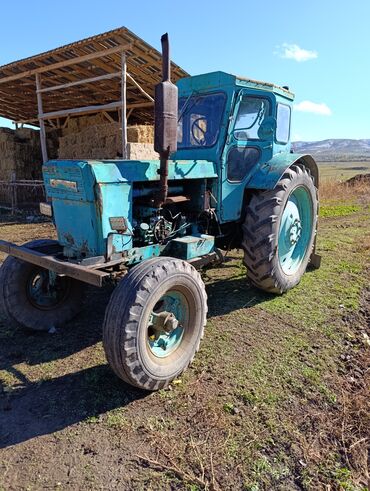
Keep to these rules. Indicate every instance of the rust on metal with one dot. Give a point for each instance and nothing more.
(71, 185)
(52, 263)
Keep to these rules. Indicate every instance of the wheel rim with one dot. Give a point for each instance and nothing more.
(46, 291)
(295, 230)
(167, 323)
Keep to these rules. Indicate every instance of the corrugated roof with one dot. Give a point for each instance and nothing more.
(18, 99)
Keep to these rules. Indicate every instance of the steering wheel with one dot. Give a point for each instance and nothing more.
(195, 128)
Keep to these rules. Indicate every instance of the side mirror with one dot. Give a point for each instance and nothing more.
(166, 108)
(267, 128)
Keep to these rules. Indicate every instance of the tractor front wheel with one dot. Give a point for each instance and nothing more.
(154, 322)
(35, 298)
(279, 231)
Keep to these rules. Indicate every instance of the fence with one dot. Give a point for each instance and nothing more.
(21, 194)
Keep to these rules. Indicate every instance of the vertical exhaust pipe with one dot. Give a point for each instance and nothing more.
(165, 121)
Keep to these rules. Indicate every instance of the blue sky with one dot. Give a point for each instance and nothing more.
(321, 49)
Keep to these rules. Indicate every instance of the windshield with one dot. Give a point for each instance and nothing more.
(251, 114)
(199, 120)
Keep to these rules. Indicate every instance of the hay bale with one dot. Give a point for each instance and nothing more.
(143, 133)
(141, 151)
(92, 137)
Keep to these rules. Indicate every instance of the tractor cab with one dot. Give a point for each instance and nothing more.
(239, 124)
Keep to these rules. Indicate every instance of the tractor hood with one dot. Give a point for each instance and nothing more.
(121, 171)
(86, 193)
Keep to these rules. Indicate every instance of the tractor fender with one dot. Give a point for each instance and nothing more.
(270, 173)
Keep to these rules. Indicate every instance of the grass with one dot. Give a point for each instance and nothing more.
(327, 211)
(340, 171)
(269, 402)
(117, 419)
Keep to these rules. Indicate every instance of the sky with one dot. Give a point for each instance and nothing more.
(319, 48)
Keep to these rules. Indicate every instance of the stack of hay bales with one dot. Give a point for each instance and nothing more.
(20, 158)
(20, 154)
(94, 138)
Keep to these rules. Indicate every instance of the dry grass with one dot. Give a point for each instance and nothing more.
(336, 191)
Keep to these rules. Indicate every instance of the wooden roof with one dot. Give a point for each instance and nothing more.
(77, 61)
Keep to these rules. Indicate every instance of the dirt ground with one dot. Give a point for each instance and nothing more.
(277, 397)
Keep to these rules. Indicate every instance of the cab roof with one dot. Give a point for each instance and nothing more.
(218, 80)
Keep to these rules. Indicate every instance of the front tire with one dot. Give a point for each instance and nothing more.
(279, 231)
(154, 322)
(30, 300)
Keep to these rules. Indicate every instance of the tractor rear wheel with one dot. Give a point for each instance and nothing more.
(279, 231)
(154, 322)
(34, 298)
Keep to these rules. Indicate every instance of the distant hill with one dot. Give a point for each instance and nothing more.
(341, 150)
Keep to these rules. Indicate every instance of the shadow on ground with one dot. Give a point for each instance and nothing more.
(44, 408)
(228, 295)
(31, 409)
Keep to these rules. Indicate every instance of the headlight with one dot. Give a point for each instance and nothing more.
(46, 209)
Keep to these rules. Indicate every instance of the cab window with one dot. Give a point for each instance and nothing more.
(251, 114)
(200, 120)
(282, 123)
(240, 161)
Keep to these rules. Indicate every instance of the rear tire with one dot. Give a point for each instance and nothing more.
(279, 231)
(21, 293)
(139, 352)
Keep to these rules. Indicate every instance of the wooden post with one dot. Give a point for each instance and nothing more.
(124, 104)
(41, 119)
(14, 193)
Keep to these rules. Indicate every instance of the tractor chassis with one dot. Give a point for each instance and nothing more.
(97, 274)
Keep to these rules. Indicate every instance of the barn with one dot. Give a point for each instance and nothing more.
(91, 99)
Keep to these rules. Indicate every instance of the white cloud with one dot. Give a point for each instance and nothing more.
(313, 107)
(295, 52)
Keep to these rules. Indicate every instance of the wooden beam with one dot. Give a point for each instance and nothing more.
(65, 124)
(108, 117)
(41, 121)
(140, 87)
(92, 109)
(80, 82)
(64, 63)
(134, 69)
(124, 104)
(52, 124)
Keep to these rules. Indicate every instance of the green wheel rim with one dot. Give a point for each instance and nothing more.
(166, 324)
(295, 230)
(46, 291)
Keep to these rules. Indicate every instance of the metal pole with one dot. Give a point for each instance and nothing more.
(41, 120)
(124, 105)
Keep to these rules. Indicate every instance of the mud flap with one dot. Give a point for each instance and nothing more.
(315, 261)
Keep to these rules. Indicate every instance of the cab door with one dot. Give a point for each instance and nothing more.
(249, 145)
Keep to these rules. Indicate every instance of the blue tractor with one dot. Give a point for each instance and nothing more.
(226, 178)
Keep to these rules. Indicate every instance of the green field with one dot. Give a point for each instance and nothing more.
(276, 399)
(343, 170)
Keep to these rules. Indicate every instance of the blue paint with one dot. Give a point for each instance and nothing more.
(138, 254)
(295, 230)
(103, 190)
(85, 194)
(268, 174)
(163, 342)
(230, 195)
(192, 246)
